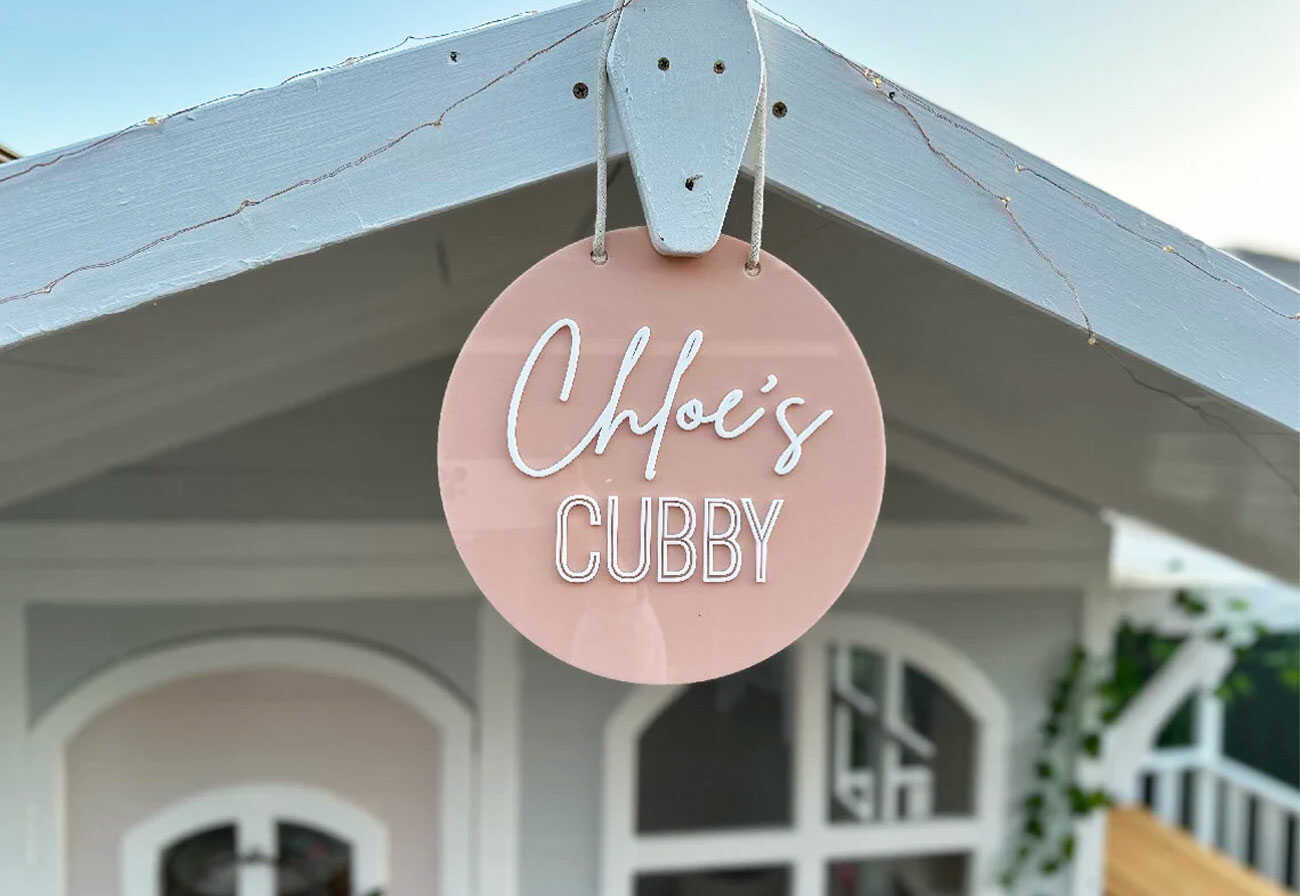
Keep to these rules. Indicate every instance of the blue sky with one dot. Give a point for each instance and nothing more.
(1189, 110)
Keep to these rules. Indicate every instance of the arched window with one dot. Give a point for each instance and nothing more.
(304, 861)
(867, 759)
(193, 660)
(256, 840)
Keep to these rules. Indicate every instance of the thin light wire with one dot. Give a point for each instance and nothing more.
(598, 253)
(337, 170)
(896, 94)
(155, 121)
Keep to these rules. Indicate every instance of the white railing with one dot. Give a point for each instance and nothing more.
(1250, 816)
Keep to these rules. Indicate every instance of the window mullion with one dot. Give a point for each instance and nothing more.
(810, 780)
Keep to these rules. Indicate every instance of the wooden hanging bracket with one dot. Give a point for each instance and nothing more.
(685, 77)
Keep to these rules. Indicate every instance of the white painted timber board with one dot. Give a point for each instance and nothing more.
(685, 76)
(169, 561)
(896, 165)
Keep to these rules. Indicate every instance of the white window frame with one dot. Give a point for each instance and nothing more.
(812, 840)
(255, 810)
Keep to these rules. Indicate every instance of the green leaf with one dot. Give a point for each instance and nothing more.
(1078, 801)
(1077, 658)
(1189, 603)
(1043, 770)
(1090, 743)
(1238, 604)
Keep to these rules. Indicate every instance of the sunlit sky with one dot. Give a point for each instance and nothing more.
(1189, 109)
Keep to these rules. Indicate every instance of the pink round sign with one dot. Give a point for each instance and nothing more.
(661, 469)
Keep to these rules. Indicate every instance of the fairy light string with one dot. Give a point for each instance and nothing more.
(155, 120)
(891, 91)
(895, 94)
(246, 204)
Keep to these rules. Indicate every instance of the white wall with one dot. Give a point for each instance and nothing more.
(13, 717)
(562, 737)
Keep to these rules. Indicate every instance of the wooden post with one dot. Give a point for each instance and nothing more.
(810, 768)
(498, 754)
(1168, 796)
(1209, 747)
(1235, 821)
(1270, 831)
(1100, 615)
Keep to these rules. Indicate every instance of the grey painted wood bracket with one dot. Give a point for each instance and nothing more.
(685, 76)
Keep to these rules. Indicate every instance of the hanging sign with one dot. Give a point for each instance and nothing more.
(661, 469)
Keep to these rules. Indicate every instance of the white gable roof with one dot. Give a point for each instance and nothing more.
(208, 194)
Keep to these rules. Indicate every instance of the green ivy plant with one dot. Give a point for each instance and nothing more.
(1058, 801)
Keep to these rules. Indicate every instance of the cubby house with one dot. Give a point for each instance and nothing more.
(239, 655)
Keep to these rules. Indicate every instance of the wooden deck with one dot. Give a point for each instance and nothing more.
(1146, 857)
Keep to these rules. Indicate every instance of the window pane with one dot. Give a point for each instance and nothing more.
(913, 876)
(857, 677)
(719, 755)
(735, 882)
(202, 864)
(900, 746)
(312, 863)
(932, 712)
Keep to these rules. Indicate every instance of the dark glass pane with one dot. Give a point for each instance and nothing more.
(719, 755)
(1261, 726)
(1139, 654)
(932, 712)
(899, 745)
(311, 863)
(201, 864)
(1179, 730)
(733, 882)
(910, 876)
(862, 672)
